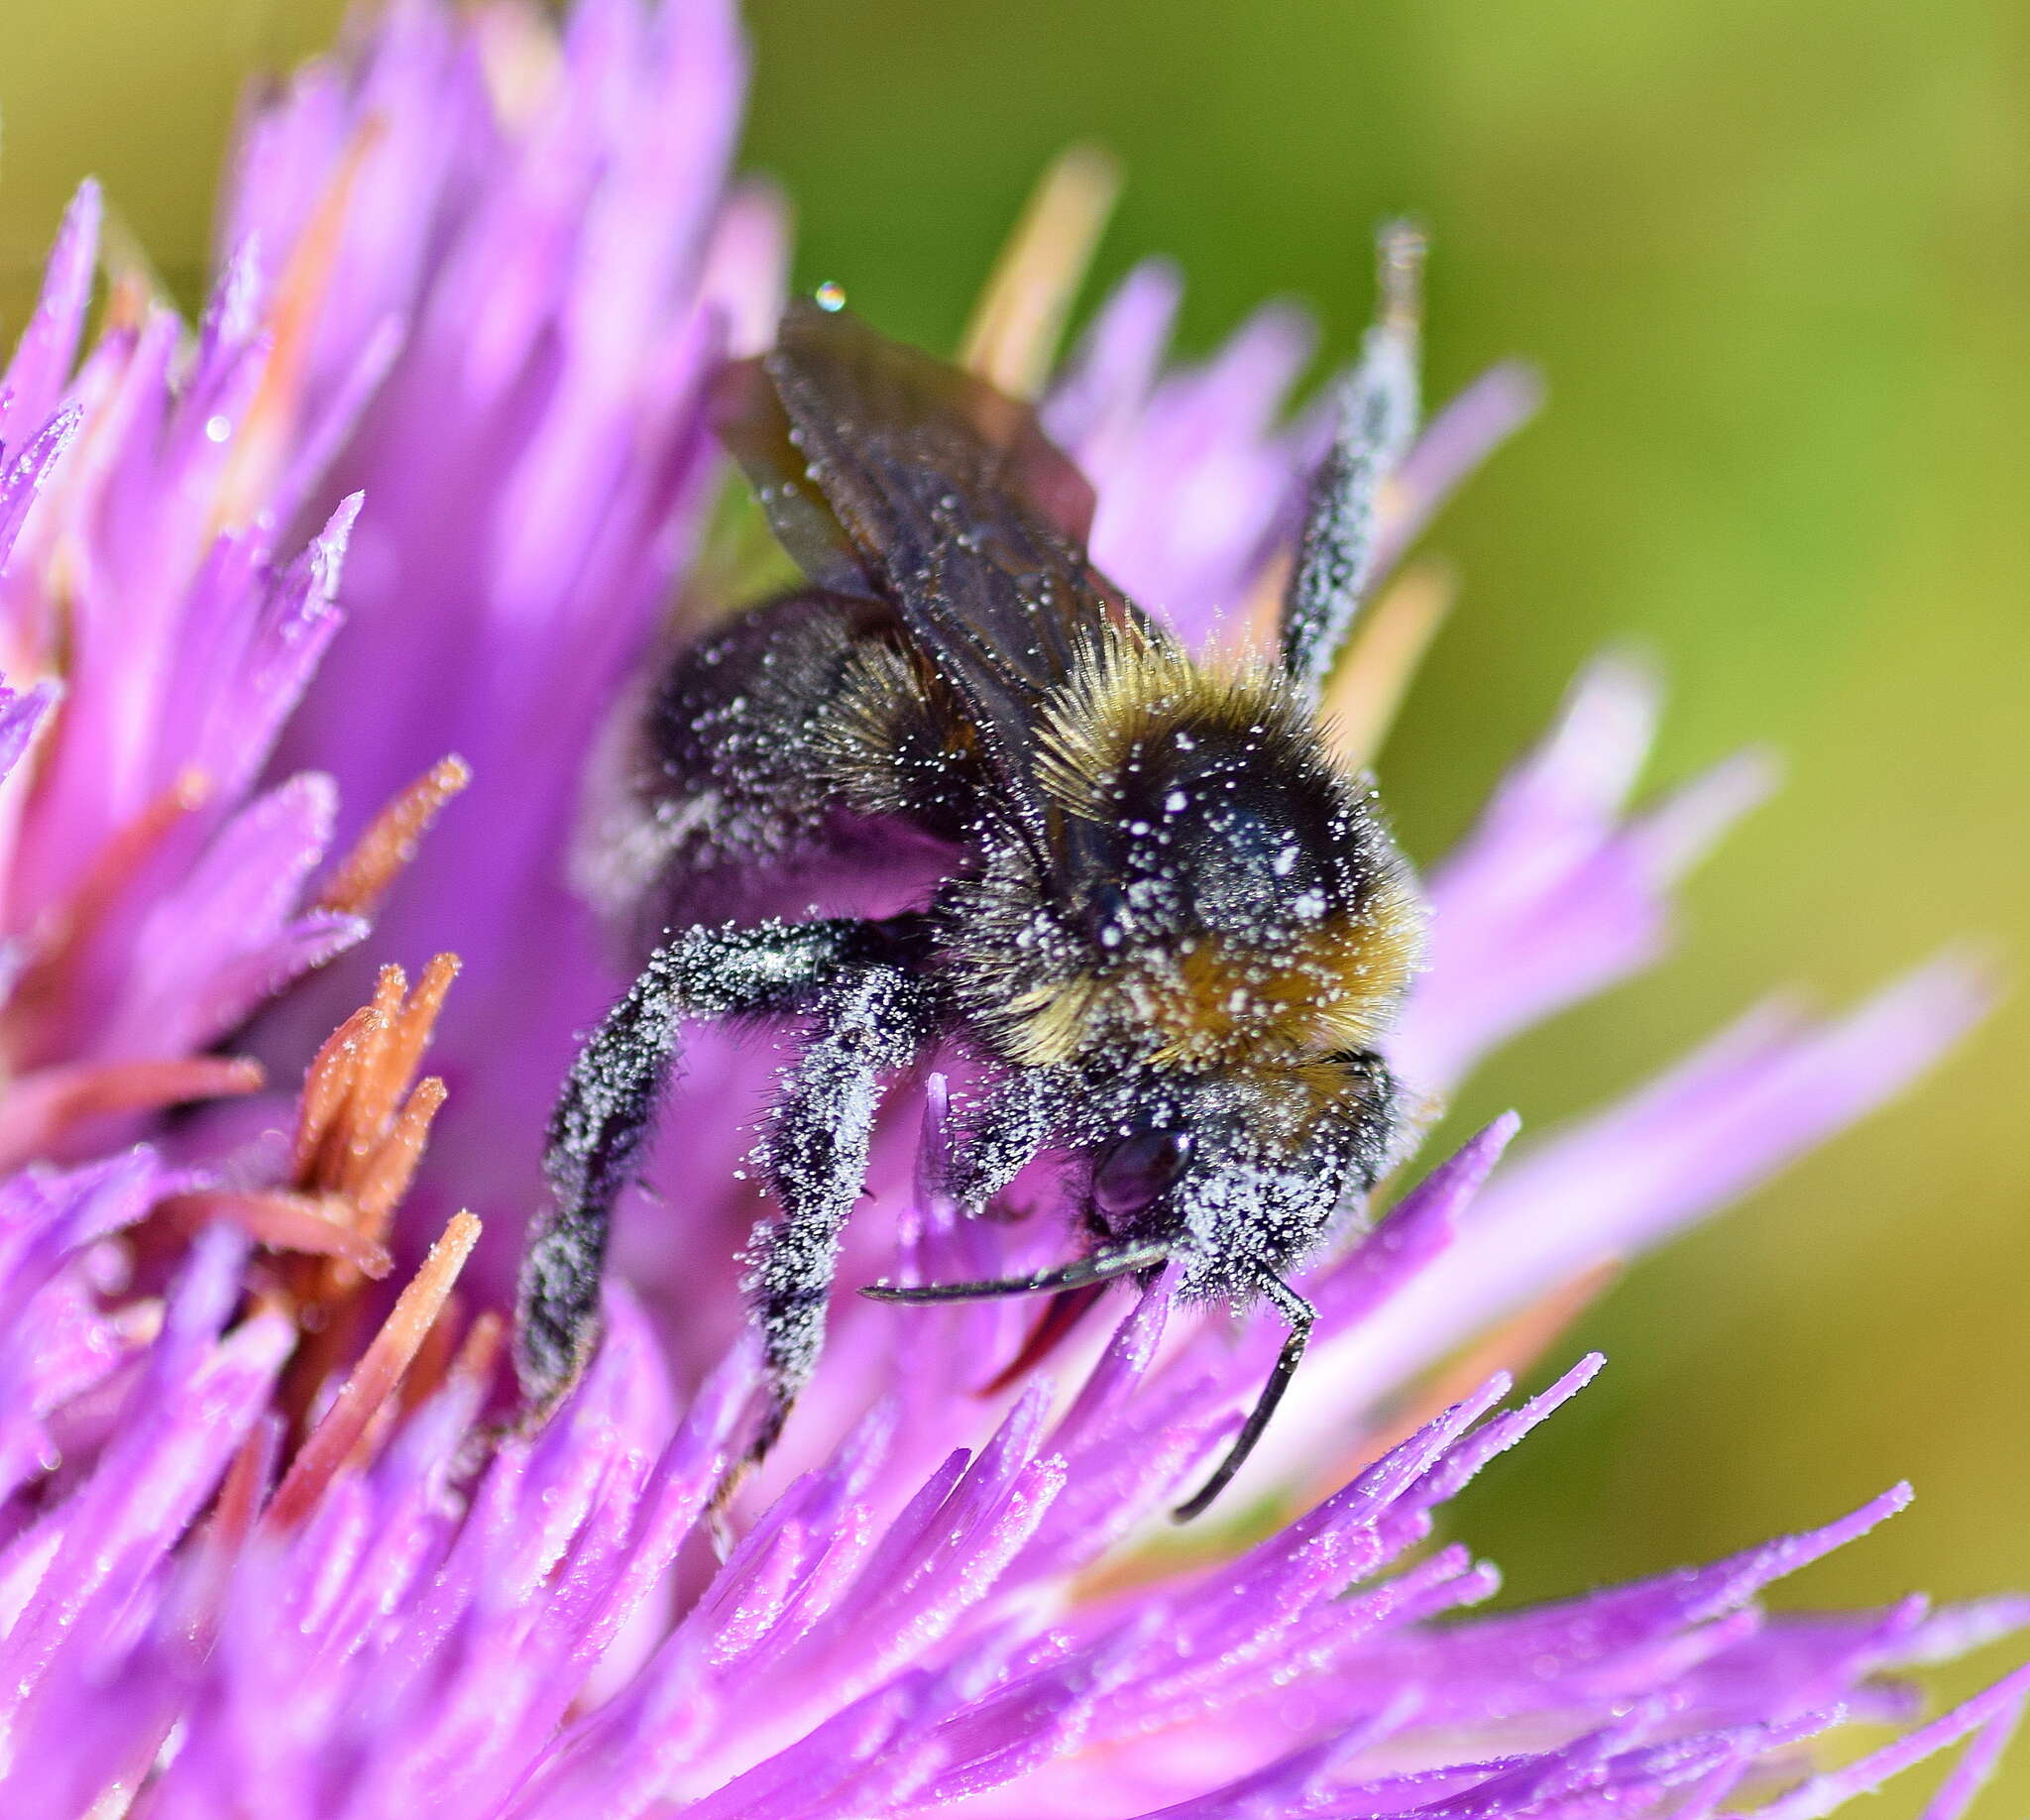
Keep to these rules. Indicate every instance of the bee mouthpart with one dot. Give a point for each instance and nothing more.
(1102, 1266)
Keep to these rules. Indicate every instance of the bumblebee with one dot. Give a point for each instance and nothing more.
(1134, 884)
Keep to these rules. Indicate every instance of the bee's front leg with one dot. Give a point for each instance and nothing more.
(1377, 411)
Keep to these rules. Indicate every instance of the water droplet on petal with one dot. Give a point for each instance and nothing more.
(829, 295)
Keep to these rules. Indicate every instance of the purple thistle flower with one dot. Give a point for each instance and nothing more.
(155, 640)
(258, 1550)
(537, 266)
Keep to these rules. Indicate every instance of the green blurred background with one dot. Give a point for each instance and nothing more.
(1774, 259)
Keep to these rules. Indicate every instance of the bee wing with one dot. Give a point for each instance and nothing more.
(894, 475)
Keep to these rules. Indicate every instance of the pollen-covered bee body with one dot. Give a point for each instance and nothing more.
(749, 782)
(1172, 929)
(1220, 934)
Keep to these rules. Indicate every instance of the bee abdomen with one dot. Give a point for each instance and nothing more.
(755, 787)
(890, 744)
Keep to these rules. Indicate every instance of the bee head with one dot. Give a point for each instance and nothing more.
(1243, 1173)
(1220, 894)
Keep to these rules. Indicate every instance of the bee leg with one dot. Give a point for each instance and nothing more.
(1376, 410)
(1018, 1118)
(608, 1107)
(1100, 1266)
(1300, 1314)
(815, 1156)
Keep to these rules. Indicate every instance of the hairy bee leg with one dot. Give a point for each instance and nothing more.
(608, 1107)
(1300, 1314)
(815, 1158)
(1018, 1118)
(1376, 410)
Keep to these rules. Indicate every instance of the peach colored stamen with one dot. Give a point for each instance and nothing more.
(264, 433)
(384, 852)
(41, 1106)
(374, 1378)
(361, 1130)
(319, 1225)
(36, 1006)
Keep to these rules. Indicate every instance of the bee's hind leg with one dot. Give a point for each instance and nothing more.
(608, 1107)
(814, 1155)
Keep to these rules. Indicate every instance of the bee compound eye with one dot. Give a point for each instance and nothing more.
(1139, 1171)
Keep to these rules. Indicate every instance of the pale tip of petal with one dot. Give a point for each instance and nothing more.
(1603, 732)
(1689, 822)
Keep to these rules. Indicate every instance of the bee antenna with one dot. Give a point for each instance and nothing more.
(1376, 410)
(1300, 1314)
(1102, 1266)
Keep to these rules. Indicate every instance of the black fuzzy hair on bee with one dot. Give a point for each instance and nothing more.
(1137, 887)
